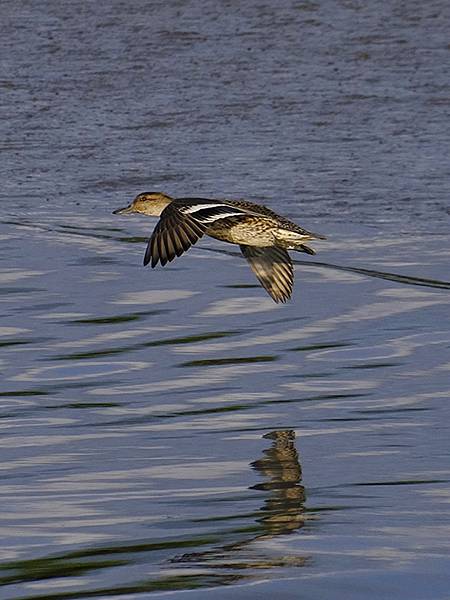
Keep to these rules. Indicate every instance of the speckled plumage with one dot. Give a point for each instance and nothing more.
(263, 236)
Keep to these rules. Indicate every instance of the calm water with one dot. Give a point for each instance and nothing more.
(174, 430)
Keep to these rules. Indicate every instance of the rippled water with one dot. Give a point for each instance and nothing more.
(175, 430)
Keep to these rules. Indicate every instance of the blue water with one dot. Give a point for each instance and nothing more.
(174, 430)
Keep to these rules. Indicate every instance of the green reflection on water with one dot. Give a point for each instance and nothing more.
(15, 342)
(188, 339)
(227, 361)
(94, 353)
(173, 583)
(192, 339)
(374, 365)
(50, 568)
(5, 291)
(71, 564)
(324, 346)
(91, 404)
(136, 316)
(24, 393)
(224, 557)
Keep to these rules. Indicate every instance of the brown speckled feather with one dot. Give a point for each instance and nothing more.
(273, 268)
(260, 209)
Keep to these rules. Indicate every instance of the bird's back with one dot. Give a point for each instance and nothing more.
(282, 222)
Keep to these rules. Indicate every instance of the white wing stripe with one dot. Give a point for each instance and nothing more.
(212, 218)
(196, 207)
(208, 213)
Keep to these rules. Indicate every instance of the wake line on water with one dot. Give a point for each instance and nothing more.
(404, 279)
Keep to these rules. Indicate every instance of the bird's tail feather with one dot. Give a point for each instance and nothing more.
(304, 248)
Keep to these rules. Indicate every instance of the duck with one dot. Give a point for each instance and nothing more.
(263, 236)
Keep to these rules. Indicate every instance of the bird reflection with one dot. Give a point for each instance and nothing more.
(280, 466)
(281, 514)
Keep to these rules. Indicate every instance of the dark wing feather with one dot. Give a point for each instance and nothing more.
(273, 268)
(174, 234)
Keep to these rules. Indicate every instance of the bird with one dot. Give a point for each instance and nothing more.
(263, 236)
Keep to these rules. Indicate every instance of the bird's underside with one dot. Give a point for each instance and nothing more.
(262, 236)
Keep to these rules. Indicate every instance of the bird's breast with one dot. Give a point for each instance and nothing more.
(247, 233)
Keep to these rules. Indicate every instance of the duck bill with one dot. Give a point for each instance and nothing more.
(123, 211)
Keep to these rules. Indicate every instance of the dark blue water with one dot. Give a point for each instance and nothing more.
(173, 430)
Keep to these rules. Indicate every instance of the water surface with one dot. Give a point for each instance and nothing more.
(174, 429)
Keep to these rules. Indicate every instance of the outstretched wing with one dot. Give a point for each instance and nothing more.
(273, 268)
(182, 223)
(174, 234)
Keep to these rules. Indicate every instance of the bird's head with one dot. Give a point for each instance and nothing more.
(147, 203)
